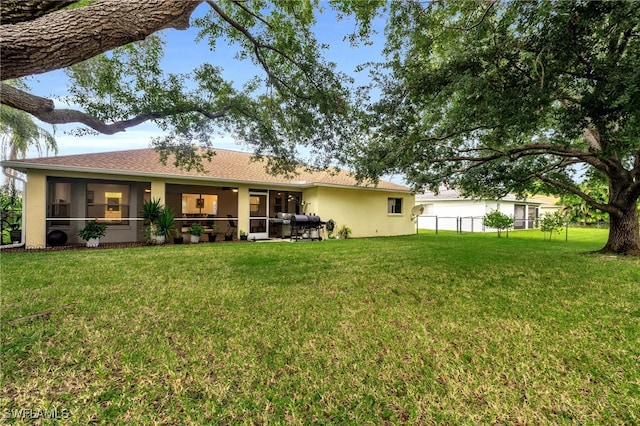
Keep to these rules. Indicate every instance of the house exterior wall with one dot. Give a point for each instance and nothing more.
(449, 212)
(364, 211)
(466, 215)
(549, 204)
(243, 209)
(36, 210)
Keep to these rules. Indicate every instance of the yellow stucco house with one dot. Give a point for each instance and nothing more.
(233, 192)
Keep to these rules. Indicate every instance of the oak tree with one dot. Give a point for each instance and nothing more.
(516, 96)
(113, 57)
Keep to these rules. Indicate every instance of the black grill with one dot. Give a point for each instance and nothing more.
(306, 226)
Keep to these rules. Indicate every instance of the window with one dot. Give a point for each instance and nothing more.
(108, 201)
(394, 205)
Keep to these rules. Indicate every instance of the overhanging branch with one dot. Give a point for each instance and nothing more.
(559, 184)
(521, 151)
(257, 45)
(44, 110)
(477, 23)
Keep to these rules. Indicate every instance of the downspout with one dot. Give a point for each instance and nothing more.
(24, 206)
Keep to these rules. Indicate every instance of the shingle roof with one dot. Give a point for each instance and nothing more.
(226, 165)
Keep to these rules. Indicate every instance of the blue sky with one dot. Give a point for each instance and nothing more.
(182, 54)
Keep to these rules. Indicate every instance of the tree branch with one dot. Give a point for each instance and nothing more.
(559, 184)
(480, 21)
(520, 152)
(61, 39)
(44, 110)
(15, 11)
(452, 134)
(250, 12)
(257, 45)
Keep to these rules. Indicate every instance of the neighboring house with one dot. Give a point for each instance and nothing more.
(62, 193)
(448, 210)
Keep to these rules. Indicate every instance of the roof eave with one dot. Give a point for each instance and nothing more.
(24, 166)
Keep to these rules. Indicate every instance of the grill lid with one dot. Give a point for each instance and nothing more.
(305, 219)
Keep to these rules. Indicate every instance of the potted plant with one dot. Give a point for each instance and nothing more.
(243, 235)
(214, 232)
(92, 232)
(344, 232)
(150, 212)
(195, 230)
(164, 225)
(11, 215)
(14, 223)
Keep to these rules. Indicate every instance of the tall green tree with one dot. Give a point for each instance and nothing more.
(514, 96)
(113, 58)
(19, 133)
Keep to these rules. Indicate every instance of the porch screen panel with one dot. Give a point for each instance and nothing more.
(519, 216)
(532, 216)
(109, 202)
(59, 203)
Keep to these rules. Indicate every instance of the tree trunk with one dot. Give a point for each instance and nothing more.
(624, 231)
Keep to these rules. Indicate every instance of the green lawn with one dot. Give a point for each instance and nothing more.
(466, 329)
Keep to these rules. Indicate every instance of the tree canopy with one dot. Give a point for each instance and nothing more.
(298, 99)
(498, 97)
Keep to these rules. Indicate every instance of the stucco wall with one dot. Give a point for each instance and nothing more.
(36, 210)
(364, 211)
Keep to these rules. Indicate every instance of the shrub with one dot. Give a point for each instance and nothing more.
(551, 223)
(498, 220)
(196, 229)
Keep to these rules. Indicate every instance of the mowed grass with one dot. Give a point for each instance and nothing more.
(426, 329)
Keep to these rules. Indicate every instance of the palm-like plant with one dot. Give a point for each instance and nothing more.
(165, 223)
(19, 133)
(151, 211)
